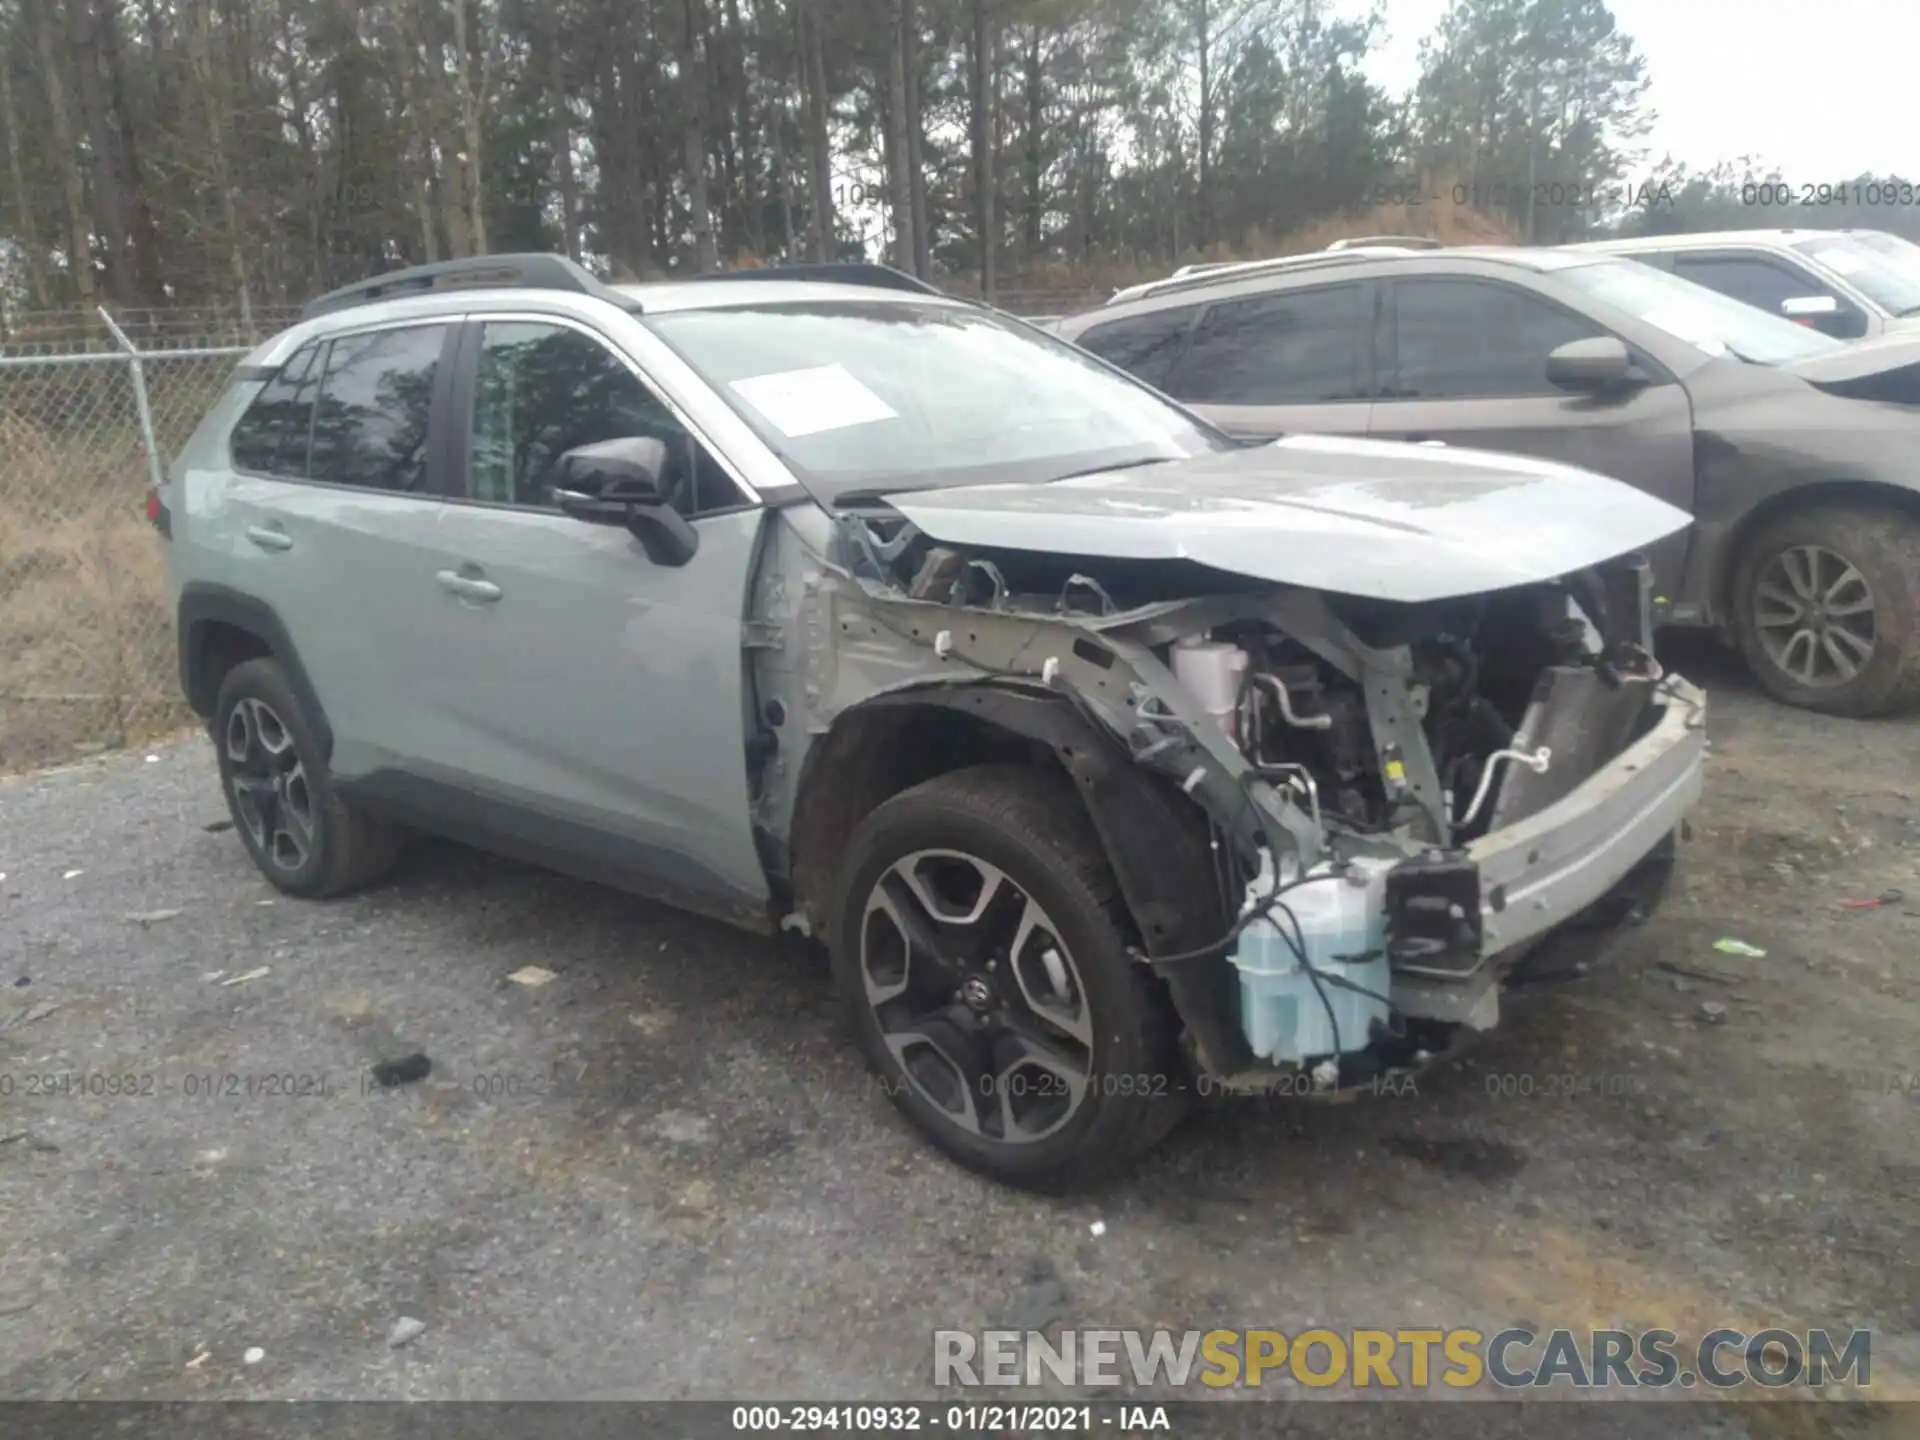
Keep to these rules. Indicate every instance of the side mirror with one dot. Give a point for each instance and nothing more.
(1805, 307)
(622, 482)
(1590, 366)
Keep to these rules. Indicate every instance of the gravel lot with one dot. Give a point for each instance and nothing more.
(664, 1174)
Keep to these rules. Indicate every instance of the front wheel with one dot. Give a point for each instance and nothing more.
(305, 839)
(1827, 609)
(979, 945)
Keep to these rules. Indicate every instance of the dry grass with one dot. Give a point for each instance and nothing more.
(86, 641)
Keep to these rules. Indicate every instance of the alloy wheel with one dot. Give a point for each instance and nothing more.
(1813, 613)
(268, 781)
(976, 995)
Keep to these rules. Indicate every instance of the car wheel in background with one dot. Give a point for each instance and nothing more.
(980, 947)
(1827, 609)
(303, 836)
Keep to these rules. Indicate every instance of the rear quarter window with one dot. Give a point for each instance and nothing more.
(270, 437)
(1146, 346)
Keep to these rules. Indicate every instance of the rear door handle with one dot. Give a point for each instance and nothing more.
(466, 586)
(268, 538)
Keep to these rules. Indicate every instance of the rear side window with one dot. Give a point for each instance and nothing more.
(1755, 281)
(1464, 339)
(1294, 348)
(1147, 346)
(370, 420)
(271, 437)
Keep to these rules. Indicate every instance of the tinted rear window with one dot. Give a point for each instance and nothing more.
(271, 437)
(1144, 345)
(1296, 347)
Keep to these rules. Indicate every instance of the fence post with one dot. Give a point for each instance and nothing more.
(155, 471)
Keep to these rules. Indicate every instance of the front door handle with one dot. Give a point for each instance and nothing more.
(467, 587)
(267, 538)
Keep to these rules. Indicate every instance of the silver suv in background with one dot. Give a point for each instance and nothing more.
(1798, 456)
(1850, 284)
(1112, 761)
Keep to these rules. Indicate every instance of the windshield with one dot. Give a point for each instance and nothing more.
(1881, 243)
(1701, 317)
(859, 395)
(1889, 280)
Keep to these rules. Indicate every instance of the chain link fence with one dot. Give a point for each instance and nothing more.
(89, 419)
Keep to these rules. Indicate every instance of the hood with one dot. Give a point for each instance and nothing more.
(1356, 517)
(1886, 354)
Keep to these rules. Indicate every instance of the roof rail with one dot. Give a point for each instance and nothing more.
(530, 272)
(1242, 269)
(834, 272)
(1398, 242)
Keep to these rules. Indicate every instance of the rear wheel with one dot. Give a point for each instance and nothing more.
(1827, 609)
(303, 836)
(980, 948)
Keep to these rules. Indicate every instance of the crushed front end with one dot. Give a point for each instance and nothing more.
(1362, 814)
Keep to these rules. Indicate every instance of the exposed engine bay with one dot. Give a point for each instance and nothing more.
(1375, 777)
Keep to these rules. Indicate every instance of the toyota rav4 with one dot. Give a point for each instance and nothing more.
(1113, 760)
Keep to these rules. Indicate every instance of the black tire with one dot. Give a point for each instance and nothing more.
(1883, 547)
(342, 848)
(1029, 824)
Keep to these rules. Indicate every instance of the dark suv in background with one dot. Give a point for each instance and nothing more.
(1795, 453)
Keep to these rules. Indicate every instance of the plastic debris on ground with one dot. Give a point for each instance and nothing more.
(249, 975)
(1727, 945)
(1885, 897)
(73, 874)
(254, 1355)
(405, 1330)
(533, 976)
(1097, 1228)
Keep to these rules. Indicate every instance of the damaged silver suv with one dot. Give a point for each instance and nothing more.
(1113, 761)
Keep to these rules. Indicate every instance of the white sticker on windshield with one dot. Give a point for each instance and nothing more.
(805, 402)
(1688, 325)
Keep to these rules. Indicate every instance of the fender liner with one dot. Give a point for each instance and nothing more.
(203, 604)
(1156, 839)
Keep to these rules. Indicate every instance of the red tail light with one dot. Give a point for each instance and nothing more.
(153, 506)
(157, 515)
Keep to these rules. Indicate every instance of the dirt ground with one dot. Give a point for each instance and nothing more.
(663, 1174)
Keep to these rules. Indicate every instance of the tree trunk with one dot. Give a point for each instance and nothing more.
(1036, 173)
(899, 186)
(469, 101)
(73, 186)
(418, 156)
(819, 146)
(693, 84)
(22, 204)
(981, 126)
(109, 195)
(200, 56)
(915, 126)
(1205, 199)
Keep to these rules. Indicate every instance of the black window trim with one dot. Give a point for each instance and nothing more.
(1366, 380)
(436, 414)
(1656, 373)
(460, 398)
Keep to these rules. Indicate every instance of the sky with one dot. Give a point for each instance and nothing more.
(1821, 90)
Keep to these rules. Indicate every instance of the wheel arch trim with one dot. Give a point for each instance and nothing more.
(204, 605)
(1153, 836)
